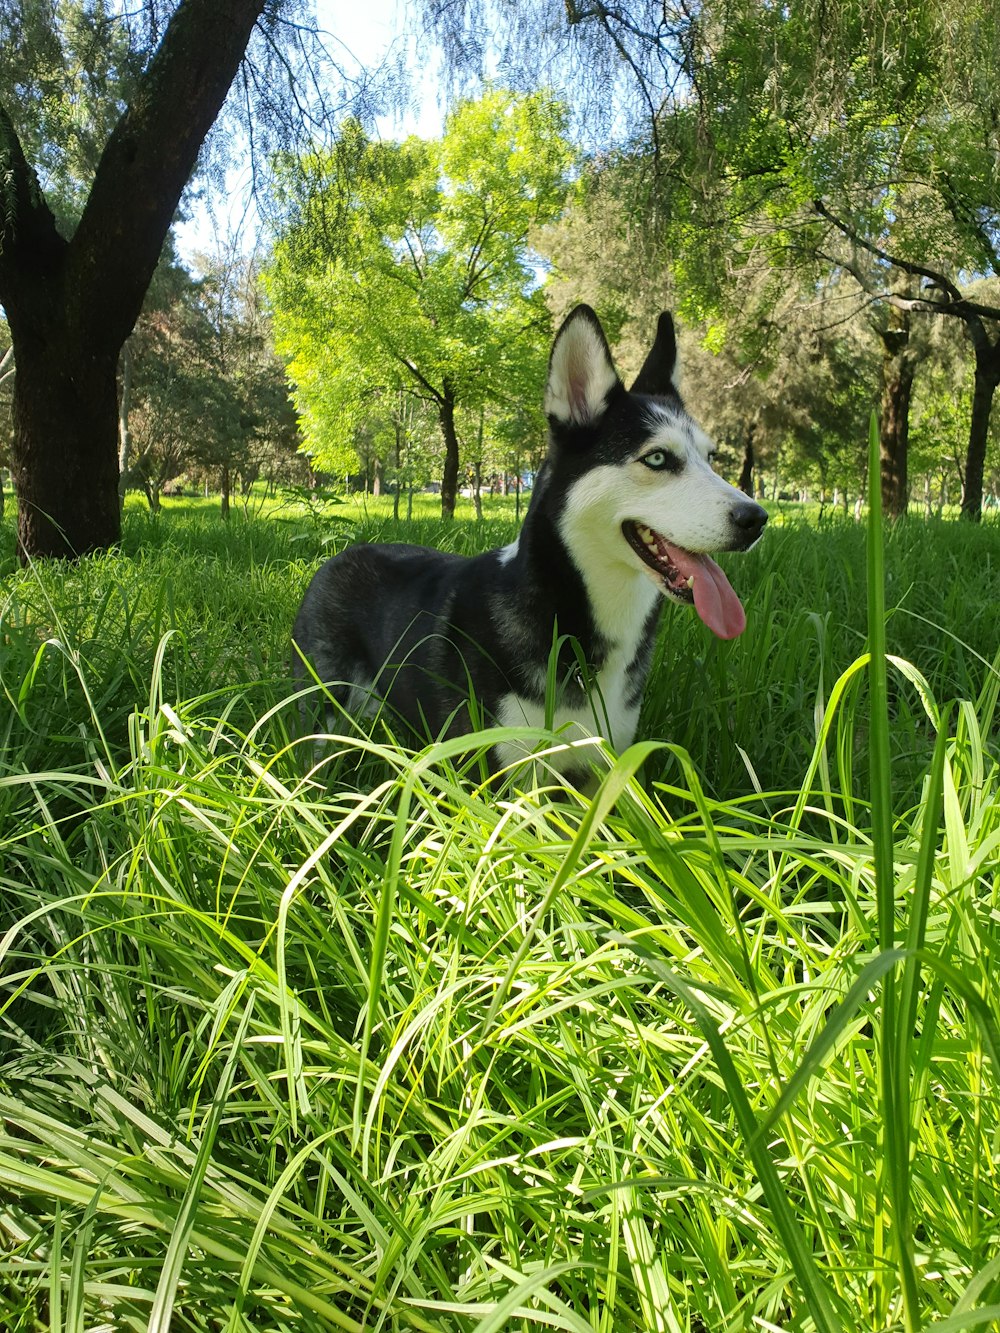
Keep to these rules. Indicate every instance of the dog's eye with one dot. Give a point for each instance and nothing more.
(661, 461)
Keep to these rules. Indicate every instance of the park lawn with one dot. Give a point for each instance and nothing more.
(377, 1047)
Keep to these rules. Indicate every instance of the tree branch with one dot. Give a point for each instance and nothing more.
(966, 215)
(434, 395)
(936, 279)
(30, 244)
(150, 156)
(954, 304)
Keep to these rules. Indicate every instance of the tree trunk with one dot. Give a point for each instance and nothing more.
(987, 377)
(6, 371)
(745, 482)
(398, 460)
(65, 459)
(225, 487)
(894, 422)
(449, 474)
(477, 470)
(124, 434)
(70, 305)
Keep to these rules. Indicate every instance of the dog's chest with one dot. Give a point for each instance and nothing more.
(608, 708)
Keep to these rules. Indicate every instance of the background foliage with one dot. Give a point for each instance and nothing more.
(405, 268)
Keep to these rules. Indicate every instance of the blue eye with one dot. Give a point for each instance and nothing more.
(661, 461)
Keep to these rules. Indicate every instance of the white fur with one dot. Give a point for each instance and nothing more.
(580, 374)
(604, 715)
(691, 509)
(676, 375)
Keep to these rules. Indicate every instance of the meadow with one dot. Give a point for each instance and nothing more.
(371, 1045)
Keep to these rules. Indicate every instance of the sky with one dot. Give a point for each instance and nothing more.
(360, 34)
(366, 32)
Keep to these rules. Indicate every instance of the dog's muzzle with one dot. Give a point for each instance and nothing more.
(693, 576)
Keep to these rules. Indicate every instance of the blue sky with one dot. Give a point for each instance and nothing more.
(366, 32)
(359, 35)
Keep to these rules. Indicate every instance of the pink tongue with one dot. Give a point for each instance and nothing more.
(714, 599)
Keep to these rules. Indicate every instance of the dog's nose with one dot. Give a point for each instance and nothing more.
(749, 517)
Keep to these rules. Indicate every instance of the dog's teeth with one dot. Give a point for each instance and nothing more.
(690, 582)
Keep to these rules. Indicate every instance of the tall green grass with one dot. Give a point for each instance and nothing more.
(368, 1045)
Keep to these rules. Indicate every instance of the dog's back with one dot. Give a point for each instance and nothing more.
(407, 625)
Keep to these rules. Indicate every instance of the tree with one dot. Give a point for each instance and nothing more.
(884, 113)
(207, 395)
(249, 380)
(104, 110)
(944, 406)
(72, 301)
(407, 266)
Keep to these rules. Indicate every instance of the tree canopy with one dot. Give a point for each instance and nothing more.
(408, 266)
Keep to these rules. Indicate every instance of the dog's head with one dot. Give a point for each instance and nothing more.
(638, 491)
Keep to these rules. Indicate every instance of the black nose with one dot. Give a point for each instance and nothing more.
(749, 517)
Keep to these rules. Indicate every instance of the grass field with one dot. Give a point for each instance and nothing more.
(377, 1048)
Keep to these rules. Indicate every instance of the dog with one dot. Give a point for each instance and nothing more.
(623, 515)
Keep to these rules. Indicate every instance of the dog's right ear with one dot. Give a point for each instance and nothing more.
(581, 372)
(661, 372)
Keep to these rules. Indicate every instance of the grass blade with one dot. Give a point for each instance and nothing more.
(173, 1262)
(893, 1075)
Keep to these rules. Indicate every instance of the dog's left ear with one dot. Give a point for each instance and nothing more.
(581, 372)
(661, 372)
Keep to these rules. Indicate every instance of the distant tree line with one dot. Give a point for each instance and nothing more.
(203, 396)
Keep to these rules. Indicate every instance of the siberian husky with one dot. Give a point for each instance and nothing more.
(624, 512)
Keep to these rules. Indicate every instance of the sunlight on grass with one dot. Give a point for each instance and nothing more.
(355, 1041)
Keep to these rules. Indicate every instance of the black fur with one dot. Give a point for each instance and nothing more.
(425, 630)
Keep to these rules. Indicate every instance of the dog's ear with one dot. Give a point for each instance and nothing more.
(661, 372)
(581, 372)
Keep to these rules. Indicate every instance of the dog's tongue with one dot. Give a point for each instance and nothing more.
(714, 599)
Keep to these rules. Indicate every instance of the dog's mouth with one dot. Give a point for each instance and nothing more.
(688, 576)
